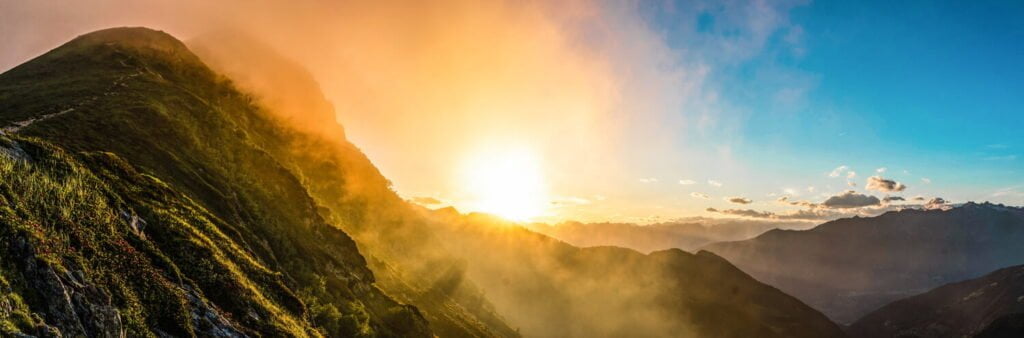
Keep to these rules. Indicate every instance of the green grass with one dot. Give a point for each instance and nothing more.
(173, 145)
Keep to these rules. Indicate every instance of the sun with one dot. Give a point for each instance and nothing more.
(506, 182)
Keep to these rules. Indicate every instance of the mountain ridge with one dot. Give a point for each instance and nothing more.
(844, 267)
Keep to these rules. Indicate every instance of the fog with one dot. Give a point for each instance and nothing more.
(573, 81)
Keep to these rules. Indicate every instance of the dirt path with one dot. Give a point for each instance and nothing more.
(14, 127)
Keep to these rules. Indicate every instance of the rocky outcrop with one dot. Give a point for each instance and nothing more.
(73, 306)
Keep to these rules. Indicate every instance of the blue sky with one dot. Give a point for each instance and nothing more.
(929, 91)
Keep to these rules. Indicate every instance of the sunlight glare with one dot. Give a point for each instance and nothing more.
(506, 183)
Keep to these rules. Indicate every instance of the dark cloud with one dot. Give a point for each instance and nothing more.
(739, 200)
(850, 199)
(936, 203)
(919, 198)
(886, 185)
(888, 199)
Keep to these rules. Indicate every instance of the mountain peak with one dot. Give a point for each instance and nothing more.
(138, 39)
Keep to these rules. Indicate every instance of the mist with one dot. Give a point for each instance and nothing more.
(573, 81)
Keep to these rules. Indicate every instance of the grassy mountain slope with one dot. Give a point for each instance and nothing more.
(162, 141)
(154, 197)
(849, 267)
(961, 309)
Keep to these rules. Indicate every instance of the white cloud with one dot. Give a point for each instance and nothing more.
(838, 171)
(714, 183)
(881, 170)
(648, 180)
(687, 182)
(851, 174)
(699, 195)
(926, 180)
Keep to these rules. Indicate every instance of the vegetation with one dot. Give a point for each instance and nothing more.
(152, 190)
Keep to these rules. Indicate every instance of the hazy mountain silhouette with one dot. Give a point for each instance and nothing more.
(688, 235)
(848, 267)
(988, 306)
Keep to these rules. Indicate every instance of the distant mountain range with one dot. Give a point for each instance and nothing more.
(988, 306)
(688, 234)
(849, 267)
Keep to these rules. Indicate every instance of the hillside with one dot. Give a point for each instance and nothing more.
(990, 304)
(137, 200)
(621, 292)
(146, 195)
(846, 268)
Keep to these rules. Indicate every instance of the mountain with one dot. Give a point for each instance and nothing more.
(138, 201)
(848, 267)
(620, 292)
(146, 194)
(988, 306)
(688, 235)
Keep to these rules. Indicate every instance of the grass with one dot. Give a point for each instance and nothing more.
(167, 140)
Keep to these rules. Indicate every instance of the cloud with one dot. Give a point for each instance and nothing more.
(838, 171)
(881, 170)
(739, 200)
(888, 199)
(426, 200)
(919, 198)
(714, 183)
(926, 180)
(1001, 158)
(885, 185)
(936, 203)
(687, 182)
(851, 174)
(648, 180)
(850, 199)
(699, 195)
(571, 200)
(851, 183)
(800, 215)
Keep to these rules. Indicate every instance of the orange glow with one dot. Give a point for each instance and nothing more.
(505, 182)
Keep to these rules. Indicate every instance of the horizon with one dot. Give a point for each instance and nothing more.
(642, 112)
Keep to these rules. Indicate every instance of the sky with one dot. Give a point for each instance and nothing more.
(639, 111)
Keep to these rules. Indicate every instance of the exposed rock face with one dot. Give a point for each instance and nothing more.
(73, 306)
